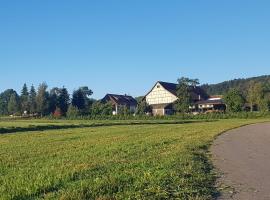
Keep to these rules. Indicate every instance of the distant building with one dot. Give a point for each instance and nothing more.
(213, 103)
(162, 96)
(120, 101)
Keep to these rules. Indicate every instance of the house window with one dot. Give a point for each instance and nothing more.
(158, 86)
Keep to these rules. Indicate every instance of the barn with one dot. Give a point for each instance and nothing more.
(162, 96)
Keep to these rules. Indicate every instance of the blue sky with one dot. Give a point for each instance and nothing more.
(125, 46)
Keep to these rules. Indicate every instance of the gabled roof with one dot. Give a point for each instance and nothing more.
(196, 92)
(213, 102)
(120, 99)
(171, 87)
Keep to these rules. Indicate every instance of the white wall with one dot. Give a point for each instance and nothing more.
(160, 95)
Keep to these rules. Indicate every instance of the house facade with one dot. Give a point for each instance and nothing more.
(213, 103)
(119, 102)
(163, 95)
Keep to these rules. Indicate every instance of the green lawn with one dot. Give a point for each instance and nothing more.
(147, 161)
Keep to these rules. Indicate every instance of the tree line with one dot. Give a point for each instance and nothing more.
(255, 96)
(56, 101)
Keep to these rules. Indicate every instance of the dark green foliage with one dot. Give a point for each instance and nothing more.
(101, 109)
(24, 98)
(59, 99)
(63, 100)
(234, 101)
(4, 99)
(32, 100)
(53, 98)
(142, 107)
(14, 104)
(43, 102)
(240, 84)
(80, 99)
(184, 94)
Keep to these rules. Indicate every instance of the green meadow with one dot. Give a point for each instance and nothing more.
(60, 159)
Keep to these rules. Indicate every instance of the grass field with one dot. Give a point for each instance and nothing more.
(108, 159)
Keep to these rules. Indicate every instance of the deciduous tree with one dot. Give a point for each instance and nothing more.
(42, 99)
(234, 100)
(184, 94)
(14, 104)
(80, 98)
(4, 100)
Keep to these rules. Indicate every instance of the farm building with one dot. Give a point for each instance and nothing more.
(162, 96)
(213, 103)
(120, 101)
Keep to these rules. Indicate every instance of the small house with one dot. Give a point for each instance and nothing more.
(120, 101)
(213, 103)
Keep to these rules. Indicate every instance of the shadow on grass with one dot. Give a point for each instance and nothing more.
(72, 126)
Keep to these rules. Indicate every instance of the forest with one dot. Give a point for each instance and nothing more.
(241, 84)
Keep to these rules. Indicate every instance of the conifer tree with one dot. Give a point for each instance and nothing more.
(24, 99)
(32, 100)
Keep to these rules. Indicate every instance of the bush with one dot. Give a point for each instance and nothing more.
(73, 112)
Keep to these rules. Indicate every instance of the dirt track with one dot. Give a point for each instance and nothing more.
(242, 156)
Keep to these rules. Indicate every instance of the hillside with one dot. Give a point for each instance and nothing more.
(241, 84)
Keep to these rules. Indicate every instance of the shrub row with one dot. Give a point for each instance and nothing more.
(209, 116)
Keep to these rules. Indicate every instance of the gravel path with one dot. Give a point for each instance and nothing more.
(242, 156)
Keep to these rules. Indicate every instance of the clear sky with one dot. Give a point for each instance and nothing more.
(125, 46)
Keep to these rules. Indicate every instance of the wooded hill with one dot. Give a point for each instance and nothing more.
(240, 84)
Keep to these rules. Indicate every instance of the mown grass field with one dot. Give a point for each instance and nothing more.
(108, 160)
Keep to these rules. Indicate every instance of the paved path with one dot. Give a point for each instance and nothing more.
(243, 158)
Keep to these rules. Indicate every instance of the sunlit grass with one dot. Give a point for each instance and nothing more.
(155, 161)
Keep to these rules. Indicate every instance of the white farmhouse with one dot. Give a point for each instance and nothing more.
(163, 95)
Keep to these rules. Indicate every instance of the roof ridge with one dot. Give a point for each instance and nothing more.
(124, 95)
(167, 82)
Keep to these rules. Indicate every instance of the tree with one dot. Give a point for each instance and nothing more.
(63, 100)
(184, 87)
(123, 110)
(242, 85)
(80, 98)
(263, 104)
(4, 100)
(255, 94)
(53, 98)
(102, 109)
(32, 100)
(72, 111)
(14, 104)
(234, 100)
(24, 99)
(58, 99)
(142, 107)
(42, 99)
